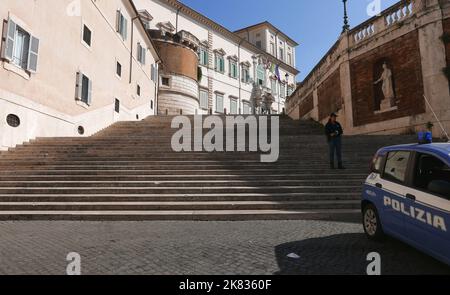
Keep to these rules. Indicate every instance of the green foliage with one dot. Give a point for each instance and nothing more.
(199, 74)
(446, 71)
(445, 38)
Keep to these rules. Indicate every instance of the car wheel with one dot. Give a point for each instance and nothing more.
(372, 223)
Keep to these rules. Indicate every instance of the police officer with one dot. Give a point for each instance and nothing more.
(334, 132)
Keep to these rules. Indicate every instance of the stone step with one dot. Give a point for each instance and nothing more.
(172, 206)
(181, 190)
(179, 177)
(178, 183)
(182, 197)
(203, 215)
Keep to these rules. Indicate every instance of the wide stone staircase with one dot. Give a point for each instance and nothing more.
(130, 172)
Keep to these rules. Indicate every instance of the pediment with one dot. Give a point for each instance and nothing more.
(166, 27)
(220, 51)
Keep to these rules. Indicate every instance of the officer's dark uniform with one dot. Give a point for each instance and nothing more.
(335, 142)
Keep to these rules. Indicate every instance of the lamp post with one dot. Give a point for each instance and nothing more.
(346, 26)
(287, 85)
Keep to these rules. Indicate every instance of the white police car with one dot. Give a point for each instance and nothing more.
(407, 196)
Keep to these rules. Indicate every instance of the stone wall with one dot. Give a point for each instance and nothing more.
(329, 95)
(407, 40)
(403, 58)
(306, 106)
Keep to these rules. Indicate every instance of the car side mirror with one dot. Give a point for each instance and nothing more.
(440, 187)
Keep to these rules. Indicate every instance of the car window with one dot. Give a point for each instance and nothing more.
(396, 166)
(432, 175)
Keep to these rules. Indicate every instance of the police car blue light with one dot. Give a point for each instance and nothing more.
(407, 196)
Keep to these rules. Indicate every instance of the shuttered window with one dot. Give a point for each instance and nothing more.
(233, 106)
(246, 108)
(20, 47)
(84, 88)
(203, 55)
(220, 63)
(204, 99)
(219, 103)
(141, 51)
(122, 25)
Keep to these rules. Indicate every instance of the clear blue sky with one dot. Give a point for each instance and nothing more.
(314, 24)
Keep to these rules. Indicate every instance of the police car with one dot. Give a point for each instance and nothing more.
(407, 196)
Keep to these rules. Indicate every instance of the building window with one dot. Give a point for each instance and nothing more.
(245, 74)
(220, 63)
(282, 90)
(20, 47)
(281, 57)
(87, 35)
(246, 108)
(258, 44)
(119, 69)
(154, 73)
(84, 89)
(122, 25)
(233, 106)
(165, 81)
(219, 103)
(117, 106)
(141, 51)
(274, 87)
(289, 58)
(233, 69)
(138, 90)
(272, 48)
(261, 75)
(290, 90)
(203, 56)
(204, 99)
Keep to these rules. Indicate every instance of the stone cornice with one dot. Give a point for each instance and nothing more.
(225, 32)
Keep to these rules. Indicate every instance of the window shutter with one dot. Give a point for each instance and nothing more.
(79, 86)
(89, 101)
(33, 54)
(119, 22)
(143, 55)
(9, 40)
(139, 51)
(125, 28)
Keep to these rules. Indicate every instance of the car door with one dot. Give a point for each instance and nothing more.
(428, 220)
(392, 182)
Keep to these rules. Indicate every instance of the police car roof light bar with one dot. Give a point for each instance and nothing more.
(437, 119)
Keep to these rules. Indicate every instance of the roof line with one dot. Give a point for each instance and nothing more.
(270, 25)
(146, 32)
(218, 27)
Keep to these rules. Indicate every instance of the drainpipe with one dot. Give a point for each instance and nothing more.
(240, 74)
(176, 26)
(155, 105)
(131, 51)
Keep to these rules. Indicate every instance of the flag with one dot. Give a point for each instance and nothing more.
(277, 73)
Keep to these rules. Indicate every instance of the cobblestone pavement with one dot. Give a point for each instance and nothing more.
(253, 247)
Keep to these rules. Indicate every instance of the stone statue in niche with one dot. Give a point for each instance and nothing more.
(388, 88)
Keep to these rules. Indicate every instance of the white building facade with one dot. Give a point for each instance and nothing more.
(238, 69)
(72, 68)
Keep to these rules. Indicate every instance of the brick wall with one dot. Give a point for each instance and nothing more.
(403, 58)
(178, 59)
(306, 106)
(329, 94)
